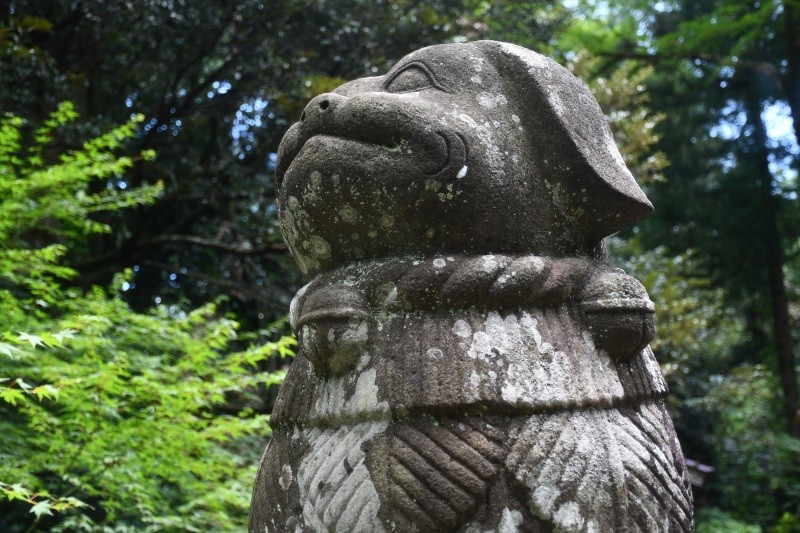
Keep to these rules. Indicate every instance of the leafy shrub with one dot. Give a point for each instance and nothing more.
(111, 418)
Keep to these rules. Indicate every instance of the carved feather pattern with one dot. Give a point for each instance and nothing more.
(604, 470)
(436, 473)
(430, 475)
(334, 483)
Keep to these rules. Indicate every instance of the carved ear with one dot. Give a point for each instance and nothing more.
(570, 141)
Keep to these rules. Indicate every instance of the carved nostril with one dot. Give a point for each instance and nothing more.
(303, 116)
(324, 104)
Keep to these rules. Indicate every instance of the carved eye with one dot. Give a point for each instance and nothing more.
(414, 77)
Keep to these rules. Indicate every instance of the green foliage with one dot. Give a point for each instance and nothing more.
(622, 94)
(756, 459)
(694, 326)
(109, 416)
(716, 521)
(526, 23)
(49, 203)
(725, 33)
(788, 523)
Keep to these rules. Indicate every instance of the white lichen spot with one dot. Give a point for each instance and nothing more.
(543, 499)
(474, 380)
(531, 59)
(439, 262)
(475, 79)
(487, 100)
(462, 329)
(509, 521)
(613, 151)
(543, 346)
(569, 517)
(347, 213)
(511, 393)
(435, 353)
(499, 338)
(462, 172)
(390, 290)
(333, 401)
(537, 263)
(489, 263)
(432, 185)
(555, 101)
(468, 120)
(294, 307)
(493, 154)
(515, 118)
(285, 480)
(318, 247)
(363, 361)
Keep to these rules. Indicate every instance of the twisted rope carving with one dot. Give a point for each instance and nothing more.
(458, 282)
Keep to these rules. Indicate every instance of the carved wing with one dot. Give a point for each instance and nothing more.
(604, 470)
(436, 474)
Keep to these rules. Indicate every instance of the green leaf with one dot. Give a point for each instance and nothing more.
(9, 350)
(34, 340)
(45, 391)
(41, 508)
(10, 395)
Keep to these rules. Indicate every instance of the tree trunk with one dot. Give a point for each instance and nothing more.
(779, 301)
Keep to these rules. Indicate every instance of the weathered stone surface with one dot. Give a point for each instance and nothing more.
(470, 361)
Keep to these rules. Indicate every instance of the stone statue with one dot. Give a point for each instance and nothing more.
(469, 359)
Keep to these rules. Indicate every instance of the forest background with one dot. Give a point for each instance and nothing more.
(144, 282)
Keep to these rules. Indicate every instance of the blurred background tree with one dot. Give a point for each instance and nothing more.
(702, 97)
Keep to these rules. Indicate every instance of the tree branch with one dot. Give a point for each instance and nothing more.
(760, 66)
(240, 290)
(242, 249)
